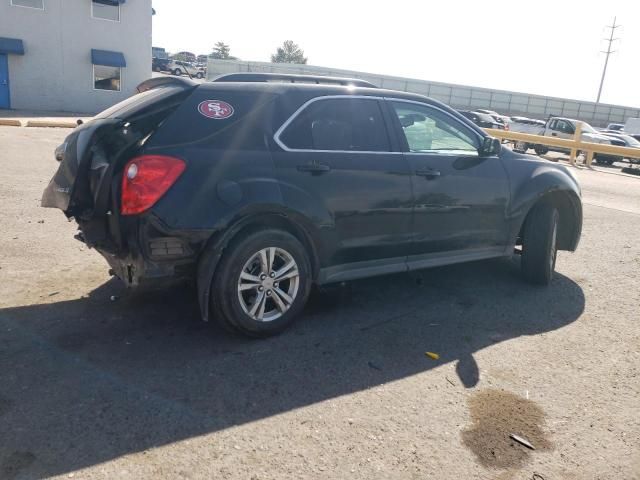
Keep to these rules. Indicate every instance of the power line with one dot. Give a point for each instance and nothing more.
(608, 52)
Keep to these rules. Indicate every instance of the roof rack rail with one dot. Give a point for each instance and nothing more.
(292, 78)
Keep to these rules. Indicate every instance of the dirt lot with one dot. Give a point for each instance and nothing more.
(139, 388)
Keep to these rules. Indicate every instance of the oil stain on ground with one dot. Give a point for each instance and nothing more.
(496, 414)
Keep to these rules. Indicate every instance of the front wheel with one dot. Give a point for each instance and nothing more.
(262, 283)
(199, 75)
(539, 244)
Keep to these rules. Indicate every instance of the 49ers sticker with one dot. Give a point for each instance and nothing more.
(216, 109)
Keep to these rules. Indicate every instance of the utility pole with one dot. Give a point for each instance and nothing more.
(608, 52)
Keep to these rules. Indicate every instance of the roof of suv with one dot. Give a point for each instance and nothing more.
(281, 87)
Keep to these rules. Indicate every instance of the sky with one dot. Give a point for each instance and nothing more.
(543, 47)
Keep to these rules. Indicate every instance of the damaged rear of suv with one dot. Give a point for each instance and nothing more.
(104, 176)
(256, 186)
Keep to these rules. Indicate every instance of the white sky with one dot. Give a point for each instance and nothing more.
(543, 46)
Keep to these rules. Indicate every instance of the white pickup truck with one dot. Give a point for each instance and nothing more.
(561, 127)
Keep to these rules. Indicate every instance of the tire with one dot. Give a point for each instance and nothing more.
(520, 147)
(541, 150)
(539, 244)
(199, 75)
(242, 309)
(177, 72)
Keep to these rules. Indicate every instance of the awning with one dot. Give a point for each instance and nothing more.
(107, 58)
(11, 45)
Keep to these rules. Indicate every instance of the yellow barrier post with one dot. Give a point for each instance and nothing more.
(589, 158)
(577, 138)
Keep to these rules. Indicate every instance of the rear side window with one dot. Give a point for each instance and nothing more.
(338, 124)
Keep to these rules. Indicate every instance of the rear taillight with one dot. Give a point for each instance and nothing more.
(145, 179)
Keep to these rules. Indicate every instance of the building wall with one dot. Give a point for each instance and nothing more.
(458, 96)
(56, 73)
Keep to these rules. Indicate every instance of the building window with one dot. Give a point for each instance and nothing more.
(106, 78)
(39, 4)
(106, 10)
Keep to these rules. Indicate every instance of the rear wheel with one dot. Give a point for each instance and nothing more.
(539, 244)
(262, 283)
(177, 72)
(199, 75)
(520, 147)
(541, 149)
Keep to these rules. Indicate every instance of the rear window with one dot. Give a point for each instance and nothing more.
(233, 119)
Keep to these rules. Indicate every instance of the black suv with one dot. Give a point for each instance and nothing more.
(258, 186)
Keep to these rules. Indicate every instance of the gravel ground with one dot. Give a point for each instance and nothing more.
(140, 388)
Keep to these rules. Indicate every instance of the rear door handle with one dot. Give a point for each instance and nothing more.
(430, 173)
(554, 134)
(314, 168)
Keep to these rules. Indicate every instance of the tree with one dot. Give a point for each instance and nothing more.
(221, 52)
(289, 52)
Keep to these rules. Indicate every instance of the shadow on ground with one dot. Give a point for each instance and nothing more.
(89, 380)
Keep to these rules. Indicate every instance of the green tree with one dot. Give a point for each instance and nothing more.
(221, 52)
(289, 52)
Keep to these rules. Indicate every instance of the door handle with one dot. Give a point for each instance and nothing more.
(430, 173)
(316, 168)
(554, 134)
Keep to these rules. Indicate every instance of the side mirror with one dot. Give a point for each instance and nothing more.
(490, 146)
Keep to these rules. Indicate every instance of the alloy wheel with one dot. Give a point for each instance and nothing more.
(268, 284)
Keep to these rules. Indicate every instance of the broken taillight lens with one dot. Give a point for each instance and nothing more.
(146, 179)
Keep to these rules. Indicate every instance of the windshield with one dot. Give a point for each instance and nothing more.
(485, 117)
(629, 140)
(588, 128)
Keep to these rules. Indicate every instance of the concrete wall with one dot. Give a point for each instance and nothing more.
(458, 96)
(56, 73)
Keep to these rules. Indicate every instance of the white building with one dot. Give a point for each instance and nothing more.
(72, 55)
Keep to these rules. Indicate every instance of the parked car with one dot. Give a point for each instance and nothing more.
(178, 67)
(160, 64)
(503, 119)
(525, 125)
(257, 186)
(483, 120)
(566, 128)
(627, 141)
(615, 126)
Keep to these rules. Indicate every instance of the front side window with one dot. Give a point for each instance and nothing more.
(106, 78)
(428, 130)
(344, 124)
(106, 10)
(39, 4)
(564, 127)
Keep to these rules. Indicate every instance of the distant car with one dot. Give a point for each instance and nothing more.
(160, 64)
(525, 125)
(503, 119)
(628, 141)
(178, 67)
(615, 126)
(561, 127)
(483, 120)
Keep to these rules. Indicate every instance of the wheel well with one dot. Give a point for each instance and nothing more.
(280, 222)
(569, 224)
